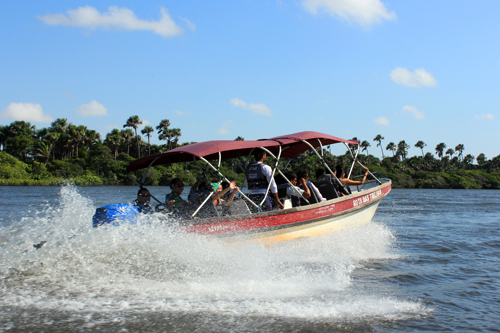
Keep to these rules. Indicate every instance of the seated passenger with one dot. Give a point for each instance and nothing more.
(219, 192)
(174, 201)
(142, 201)
(315, 192)
(329, 186)
(258, 176)
(295, 192)
(200, 189)
(340, 173)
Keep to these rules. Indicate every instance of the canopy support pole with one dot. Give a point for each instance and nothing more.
(356, 160)
(323, 161)
(224, 178)
(140, 186)
(281, 173)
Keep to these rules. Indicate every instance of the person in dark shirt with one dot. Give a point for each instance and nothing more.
(173, 199)
(142, 201)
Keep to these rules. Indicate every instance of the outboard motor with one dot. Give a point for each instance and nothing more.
(114, 214)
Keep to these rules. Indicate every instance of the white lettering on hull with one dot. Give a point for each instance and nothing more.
(361, 200)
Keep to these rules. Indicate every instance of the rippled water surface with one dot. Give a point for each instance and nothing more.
(429, 261)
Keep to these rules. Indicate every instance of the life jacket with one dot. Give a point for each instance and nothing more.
(143, 208)
(255, 177)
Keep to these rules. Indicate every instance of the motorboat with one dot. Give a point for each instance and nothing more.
(248, 222)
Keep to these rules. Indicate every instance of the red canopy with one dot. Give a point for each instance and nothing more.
(295, 145)
(292, 145)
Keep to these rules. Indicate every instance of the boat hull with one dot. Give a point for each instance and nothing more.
(307, 221)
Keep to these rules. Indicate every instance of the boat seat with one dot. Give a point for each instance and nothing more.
(326, 188)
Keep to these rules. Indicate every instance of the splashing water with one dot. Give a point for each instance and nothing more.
(154, 267)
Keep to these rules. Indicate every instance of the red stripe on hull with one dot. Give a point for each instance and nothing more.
(284, 218)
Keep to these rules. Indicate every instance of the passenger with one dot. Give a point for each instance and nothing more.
(340, 189)
(200, 189)
(258, 176)
(340, 173)
(173, 199)
(293, 191)
(219, 192)
(305, 175)
(142, 201)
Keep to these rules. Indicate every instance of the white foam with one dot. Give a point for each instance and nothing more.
(157, 267)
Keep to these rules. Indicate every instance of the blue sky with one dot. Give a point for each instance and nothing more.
(408, 70)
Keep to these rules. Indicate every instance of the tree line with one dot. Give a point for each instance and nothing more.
(67, 151)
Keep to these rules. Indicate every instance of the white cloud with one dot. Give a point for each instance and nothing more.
(92, 109)
(190, 24)
(254, 107)
(181, 113)
(416, 113)
(146, 122)
(26, 112)
(224, 128)
(117, 18)
(364, 12)
(418, 79)
(485, 116)
(382, 121)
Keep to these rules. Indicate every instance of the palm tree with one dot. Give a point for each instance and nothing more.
(403, 149)
(164, 125)
(460, 149)
(379, 139)
(163, 132)
(239, 138)
(364, 146)
(391, 147)
(440, 149)
(174, 135)
(51, 138)
(91, 137)
(481, 159)
(468, 159)
(450, 152)
(134, 122)
(127, 136)
(113, 140)
(147, 131)
(421, 145)
(77, 134)
(44, 150)
(59, 125)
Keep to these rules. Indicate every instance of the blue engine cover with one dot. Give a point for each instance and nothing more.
(114, 214)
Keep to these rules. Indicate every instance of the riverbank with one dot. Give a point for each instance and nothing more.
(16, 173)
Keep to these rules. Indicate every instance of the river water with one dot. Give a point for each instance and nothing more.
(429, 261)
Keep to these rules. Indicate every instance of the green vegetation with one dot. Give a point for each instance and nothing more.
(65, 152)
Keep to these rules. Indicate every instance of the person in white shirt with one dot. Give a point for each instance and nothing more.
(305, 175)
(258, 177)
(294, 191)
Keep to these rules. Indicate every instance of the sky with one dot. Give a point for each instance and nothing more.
(407, 70)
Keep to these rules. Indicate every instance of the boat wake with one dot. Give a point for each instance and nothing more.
(153, 267)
